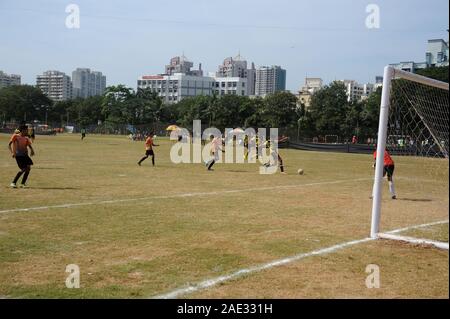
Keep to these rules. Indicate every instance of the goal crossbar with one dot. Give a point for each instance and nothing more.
(400, 74)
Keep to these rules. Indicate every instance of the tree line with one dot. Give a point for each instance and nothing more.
(330, 112)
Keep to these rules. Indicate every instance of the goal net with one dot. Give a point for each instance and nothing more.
(414, 131)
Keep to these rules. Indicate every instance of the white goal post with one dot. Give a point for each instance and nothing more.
(439, 140)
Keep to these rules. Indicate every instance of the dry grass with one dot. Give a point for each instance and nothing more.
(404, 273)
(150, 246)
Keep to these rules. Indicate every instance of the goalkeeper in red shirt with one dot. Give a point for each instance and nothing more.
(389, 167)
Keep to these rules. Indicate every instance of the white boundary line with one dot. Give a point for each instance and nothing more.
(412, 240)
(392, 235)
(401, 230)
(182, 195)
(215, 281)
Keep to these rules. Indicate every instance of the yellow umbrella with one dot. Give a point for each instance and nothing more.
(173, 128)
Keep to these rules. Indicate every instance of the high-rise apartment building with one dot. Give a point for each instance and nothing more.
(238, 68)
(270, 80)
(180, 64)
(9, 79)
(55, 84)
(88, 83)
(358, 92)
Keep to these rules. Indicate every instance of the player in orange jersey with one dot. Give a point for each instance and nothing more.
(149, 144)
(18, 146)
(389, 167)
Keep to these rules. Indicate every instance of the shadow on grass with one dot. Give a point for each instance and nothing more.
(55, 188)
(415, 200)
(236, 171)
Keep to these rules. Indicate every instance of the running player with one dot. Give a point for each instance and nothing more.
(18, 146)
(246, 143)
(149, 149)
(83, 133)
(216, 147)
(275, 156)
(389, 167)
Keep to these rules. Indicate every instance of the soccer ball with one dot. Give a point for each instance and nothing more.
(300, 171)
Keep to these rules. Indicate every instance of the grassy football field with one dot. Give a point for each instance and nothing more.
(143, 232)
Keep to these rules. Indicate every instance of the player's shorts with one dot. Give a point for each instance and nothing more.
(23, 161)
(149, 153)
(389, 170)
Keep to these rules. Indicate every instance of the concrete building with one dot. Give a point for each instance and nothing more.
(55, 84)
(368, 89)
(180, 64)
(238, 68)
(9, 79)
(410, 66)
(231, 86)
(357, 92)
(88, 83)
(270, 80)
(176, 87)
(437, 53)
(179, 81)
(378, 83)
(379, 79)
(311, 86)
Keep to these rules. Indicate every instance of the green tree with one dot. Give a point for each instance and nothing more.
(252, 110)
(370, 114)
(196, 108)
(328, 109)
(351, 124)
(280, 110)
(114, 100)
(226, 112)
(437, 73)
(88, 111)
(23, 103)
(146, 107)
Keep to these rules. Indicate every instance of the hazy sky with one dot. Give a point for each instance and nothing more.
(128, 38)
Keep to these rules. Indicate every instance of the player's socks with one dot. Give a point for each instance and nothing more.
(17, 177)
(392, 190)
(153, 161)
(25, 177)
(211, 165)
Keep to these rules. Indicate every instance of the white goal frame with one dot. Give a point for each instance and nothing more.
(391, 74)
